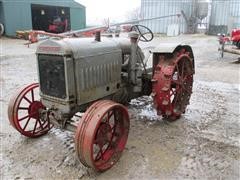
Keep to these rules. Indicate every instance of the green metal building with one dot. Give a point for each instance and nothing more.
(39, 14)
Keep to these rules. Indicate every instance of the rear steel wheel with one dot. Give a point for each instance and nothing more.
(102, 134)
(172, 85)
(24, 112)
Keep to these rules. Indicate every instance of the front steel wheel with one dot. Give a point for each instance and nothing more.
(24, 112)
(102, 134)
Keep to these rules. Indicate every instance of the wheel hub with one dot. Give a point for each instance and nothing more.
(34, 109)
(104, 134)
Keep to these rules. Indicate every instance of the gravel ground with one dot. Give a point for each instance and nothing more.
(202, 144)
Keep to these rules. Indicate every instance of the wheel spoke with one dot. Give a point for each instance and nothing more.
(177, 95)
(113, 134)
(109, 116)
(32, 95)
(185, 78)
(26, 124)
(39, 120)
(23, 117)
(172, 92)
(113, 128)
(27, 100)
(177, 69)
(100, 153)
(29, 115)
(115, 117)
(182, 73)
(35, 126)
(23, 108)
(187, 90)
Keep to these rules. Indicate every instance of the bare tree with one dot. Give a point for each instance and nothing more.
(106, 22)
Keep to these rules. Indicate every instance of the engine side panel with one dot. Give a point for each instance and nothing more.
(97, 76)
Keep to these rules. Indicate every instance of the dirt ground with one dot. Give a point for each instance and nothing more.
(203, 144)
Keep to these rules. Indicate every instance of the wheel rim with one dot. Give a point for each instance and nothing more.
(172, 86)
(102, 134)
(24, 112)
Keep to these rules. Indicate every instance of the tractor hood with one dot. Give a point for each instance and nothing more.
(82, 47)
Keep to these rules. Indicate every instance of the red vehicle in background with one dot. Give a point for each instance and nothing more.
(234, 39)
(58, 25)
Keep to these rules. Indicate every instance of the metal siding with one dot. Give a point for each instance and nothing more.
(220, 11)
(1, 13)
(235, 13)
(78, 18)
(223, 10)
(157, 8)
(21, 19)
(225, 15)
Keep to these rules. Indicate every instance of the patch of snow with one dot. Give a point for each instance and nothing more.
(150, 113)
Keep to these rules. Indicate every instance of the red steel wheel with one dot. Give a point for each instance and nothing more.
(23, 112)
(172, 86)
(102, 134)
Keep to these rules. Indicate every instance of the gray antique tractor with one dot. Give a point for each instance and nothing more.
(84, 84)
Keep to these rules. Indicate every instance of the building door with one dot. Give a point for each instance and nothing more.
(55, 19)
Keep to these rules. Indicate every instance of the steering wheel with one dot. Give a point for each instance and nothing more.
(143, 31)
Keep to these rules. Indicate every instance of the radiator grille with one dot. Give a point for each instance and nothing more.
(52, 75)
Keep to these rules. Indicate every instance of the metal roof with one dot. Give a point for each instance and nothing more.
(66, 3)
